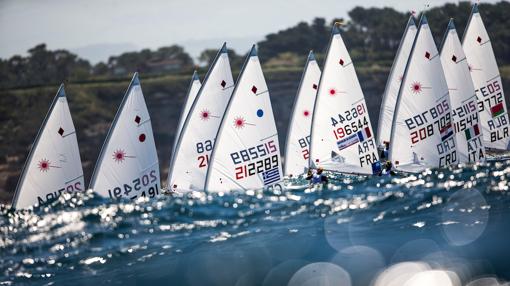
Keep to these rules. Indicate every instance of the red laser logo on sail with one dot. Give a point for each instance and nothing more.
(44, 165)
(416, 87)
(205, 114)
(119, 156)
(239, 122)
(306, 113)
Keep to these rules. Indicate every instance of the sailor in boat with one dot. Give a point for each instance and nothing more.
(388, 169)
(316, 176)
(385, 151)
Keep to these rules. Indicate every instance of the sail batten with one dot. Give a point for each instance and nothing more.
(128, 165)
(53, 165)
(342, 139)
(297, 150)
(487, 83)
(246, 154)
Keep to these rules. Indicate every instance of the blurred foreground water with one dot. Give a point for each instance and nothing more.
(443, 227)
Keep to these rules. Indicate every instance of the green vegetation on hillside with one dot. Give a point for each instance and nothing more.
(372, 36)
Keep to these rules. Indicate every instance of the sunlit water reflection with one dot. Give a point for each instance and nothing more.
(445, 227)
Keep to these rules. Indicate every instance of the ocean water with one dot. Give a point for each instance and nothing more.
(441, 227)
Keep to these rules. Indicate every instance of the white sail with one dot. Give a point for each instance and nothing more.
(53, 165)
(297, 151)
(487, 81)
(422, 133)
(193, 150)
(246, 154)
(390, 95)
(128, 162)
(342, 136)
(193, 89)
(466, 121)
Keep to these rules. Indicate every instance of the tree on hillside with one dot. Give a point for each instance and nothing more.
(165, 59)
(299, 39)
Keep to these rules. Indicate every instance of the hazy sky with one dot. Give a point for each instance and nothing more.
(97, 28)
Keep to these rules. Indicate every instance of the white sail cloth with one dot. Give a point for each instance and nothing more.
(422, 133)
(487, 81)
(466, 121)
(297, 152)
(390, 95)
(128, 162)
(246, 154)
(342, 139)
(193, 89)
(193, 150)
(53, 165)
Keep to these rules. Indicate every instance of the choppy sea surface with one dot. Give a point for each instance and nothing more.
(442, 227)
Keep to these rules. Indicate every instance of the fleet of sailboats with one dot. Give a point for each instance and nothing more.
(438, 109)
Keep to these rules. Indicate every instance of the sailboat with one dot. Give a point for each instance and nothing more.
(342, 139)
(297, 151)
(487, 82)
(422, 134)
(246, 154)
(466, 120)
(193, 89)
(128, 162)
(53, 165)
(189, 164)
(390, 95)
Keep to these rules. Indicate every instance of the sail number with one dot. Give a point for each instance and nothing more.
(420, 121)
(202, 147)
(256, 167)
(74, 187)
(207, 145)
(349, 115)
(466, 122)
(257, 152)
(490, 88)
(147, 182)
(253, 153)
(304, 143)
(351, 128)
(490, 101)
(465, 116)
(465, 109)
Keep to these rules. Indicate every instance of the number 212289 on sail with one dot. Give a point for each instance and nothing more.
(262, 152)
